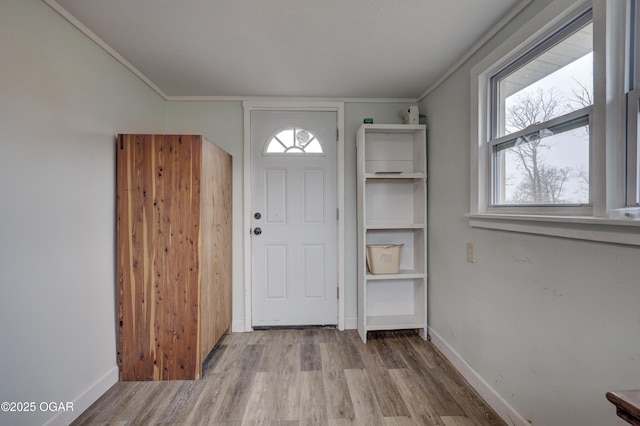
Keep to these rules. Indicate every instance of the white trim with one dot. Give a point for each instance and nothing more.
(262, 105)
(306, 100)
(238, 326)
(485, 38)
(111, 51)
(351, 323)
(617, 231)
(85, 399)
(633, 139)
(490, 396)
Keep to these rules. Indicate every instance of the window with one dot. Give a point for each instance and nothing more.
(540, 121)
(293, 141)
(555, 124)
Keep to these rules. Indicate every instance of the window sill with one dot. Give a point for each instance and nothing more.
(617, 231)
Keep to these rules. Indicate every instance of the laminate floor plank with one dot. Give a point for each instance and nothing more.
(181, 405)
(365, 404)
(389, 399)
(135, 402)
(261, 400)
(286, 406)
(457, 421)
(209, 401)
(119, 396)
(310, 359)
(235, 401)
(443, 403)
(399, 421)
(149, 412)
(313, 408)
(213, 359)
(227, 360)
(417, 402)
(391, 358)
(338, 399)
(272, 357)
(304, 377)
(342, 422)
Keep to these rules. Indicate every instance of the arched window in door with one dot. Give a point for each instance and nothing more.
(293, 140)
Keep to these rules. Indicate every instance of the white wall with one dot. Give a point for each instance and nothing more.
(550, 324)
(62, 101)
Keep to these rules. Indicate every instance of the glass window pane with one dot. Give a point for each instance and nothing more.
(549, 167)
(555, 82)
(293, 141)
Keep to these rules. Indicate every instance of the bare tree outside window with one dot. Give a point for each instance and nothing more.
(542, 99)
(543, 183)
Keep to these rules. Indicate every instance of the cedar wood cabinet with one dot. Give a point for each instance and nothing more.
(174, 254)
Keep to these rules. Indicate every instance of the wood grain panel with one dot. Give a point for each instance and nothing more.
(215, 245)
(174, 277)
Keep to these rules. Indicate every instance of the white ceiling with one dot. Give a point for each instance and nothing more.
(295, 48)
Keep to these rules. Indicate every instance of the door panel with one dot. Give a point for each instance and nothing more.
(294, 257)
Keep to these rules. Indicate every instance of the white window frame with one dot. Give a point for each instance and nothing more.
(633, 189)
(633, 105)
(495, 136)
(599, 221)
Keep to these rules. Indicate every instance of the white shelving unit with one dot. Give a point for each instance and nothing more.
(392, 209)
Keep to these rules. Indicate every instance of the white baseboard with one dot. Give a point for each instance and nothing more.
(238, 326)
(350, 323)
(497, 402)
(85, 399)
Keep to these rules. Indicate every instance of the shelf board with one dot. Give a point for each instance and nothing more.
(392, 226)
(388, 176)
(393, 128)
(402, 275)
(394, 322)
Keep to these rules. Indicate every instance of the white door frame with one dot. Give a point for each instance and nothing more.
(249, 106)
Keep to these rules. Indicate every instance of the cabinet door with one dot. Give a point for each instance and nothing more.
(158, 235)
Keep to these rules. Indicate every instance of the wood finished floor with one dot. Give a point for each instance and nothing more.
(304, 377)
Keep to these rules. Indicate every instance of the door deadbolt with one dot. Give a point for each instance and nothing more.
(257, 215)
(257, 231)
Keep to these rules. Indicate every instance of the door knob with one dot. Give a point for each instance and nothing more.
(257, 231)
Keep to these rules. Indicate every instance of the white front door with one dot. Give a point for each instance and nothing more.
(294, 223)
